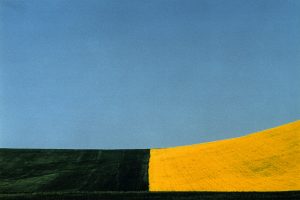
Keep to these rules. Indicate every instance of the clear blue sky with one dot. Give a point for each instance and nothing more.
(139, 74)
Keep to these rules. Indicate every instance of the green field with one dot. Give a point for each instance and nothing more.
(27, 171)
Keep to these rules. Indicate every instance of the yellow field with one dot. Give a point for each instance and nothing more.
(265, 161)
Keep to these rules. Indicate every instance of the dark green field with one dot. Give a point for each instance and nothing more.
(93, 175)
(26, 171)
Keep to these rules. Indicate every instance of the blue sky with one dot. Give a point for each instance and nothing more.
(140, 74)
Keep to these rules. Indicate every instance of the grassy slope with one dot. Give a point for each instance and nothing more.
(25, 171)
(263, 161)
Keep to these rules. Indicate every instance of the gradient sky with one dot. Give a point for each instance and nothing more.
(140, 74)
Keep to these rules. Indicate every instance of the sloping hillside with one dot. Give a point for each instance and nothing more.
(265, 161)
(27, 171)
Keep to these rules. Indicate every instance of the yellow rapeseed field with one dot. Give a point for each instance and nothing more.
(264, 161)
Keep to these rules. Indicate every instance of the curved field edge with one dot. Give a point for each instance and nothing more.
(264, 161)
(37, 170)
(288, 195)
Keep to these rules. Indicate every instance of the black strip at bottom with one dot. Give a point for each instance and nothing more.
(291, 195)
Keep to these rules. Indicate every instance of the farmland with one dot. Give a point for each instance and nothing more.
(262, 165)
(27, 171)
(265, 161)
